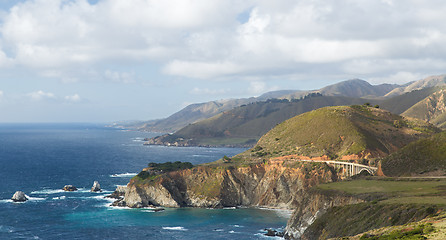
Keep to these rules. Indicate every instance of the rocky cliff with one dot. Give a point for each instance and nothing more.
(275, 184)
(314, 205)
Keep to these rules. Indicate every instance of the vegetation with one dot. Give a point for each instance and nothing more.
(388, 204)
(244, 125)
(170, 166)
(155, 169)
(393, 190)
(340, 131)
(420, 157)
(354, 219)
(431, 109)
(418, 232)
(401, 103)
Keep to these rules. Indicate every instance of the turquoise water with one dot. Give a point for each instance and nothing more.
(40, 159)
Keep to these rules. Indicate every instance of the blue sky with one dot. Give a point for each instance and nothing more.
(107, 60)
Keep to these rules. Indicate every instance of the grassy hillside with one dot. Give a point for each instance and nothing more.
(399, 104)
(340, 131)
(421, 157)
(431, 81)
(393, 202)
(248, 123)
(431, 109)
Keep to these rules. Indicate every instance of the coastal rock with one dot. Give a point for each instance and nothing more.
(69, 188)
(262, 185)
(19, 196)
(273, 233)
(96, 187)
(119, 193)
(313, 206)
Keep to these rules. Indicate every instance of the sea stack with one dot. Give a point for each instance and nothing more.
(69, 188)
(96, 187)
(19, 196)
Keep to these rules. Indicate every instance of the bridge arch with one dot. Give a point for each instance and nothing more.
(367, 170)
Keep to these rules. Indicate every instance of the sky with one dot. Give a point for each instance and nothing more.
(109, 60)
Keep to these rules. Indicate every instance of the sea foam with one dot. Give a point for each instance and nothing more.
(175, 228)
(123, 175)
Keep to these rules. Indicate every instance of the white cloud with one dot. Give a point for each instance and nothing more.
(203, 39)
(1, 94)
(207, 91)
(73, 98)
(119, 77)
(41, 95)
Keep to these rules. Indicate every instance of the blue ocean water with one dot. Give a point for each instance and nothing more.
(40, 159)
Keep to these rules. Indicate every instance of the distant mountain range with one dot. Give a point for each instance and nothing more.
(241, 122)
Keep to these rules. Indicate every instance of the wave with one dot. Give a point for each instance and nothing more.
(34, 198)
(59, 198)
(237, 226)
(6, 201)
(124, 174)
(175, 228)
(48, 191)
(218, 230)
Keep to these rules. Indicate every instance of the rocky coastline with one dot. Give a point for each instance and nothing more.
(267, 185)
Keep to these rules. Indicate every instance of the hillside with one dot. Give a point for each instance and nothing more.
(344, 132)
(355, 88)
(399, 104)
(199, 111)
(246, 124)
(423, 157)
(431, 109)
(431, 81)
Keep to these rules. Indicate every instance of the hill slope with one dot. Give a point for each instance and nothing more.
(399, 104)
(422, 157)
(431, 109)
(340, 132)
(246, 124)
(431, 81)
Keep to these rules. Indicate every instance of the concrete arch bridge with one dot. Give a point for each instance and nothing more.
(350, 169)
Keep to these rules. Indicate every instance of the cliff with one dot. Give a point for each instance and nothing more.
(272, 184)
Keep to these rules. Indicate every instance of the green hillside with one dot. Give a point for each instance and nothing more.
(399, 104)
(340, 131)
(247, 123)
(431, 109)
(418, 158)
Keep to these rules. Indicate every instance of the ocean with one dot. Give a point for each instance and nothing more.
(39, 159)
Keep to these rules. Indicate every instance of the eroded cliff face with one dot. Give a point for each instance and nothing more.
(272, 184)
(314, 205)
(275, 184)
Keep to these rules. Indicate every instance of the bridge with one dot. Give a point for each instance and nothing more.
(350, 169)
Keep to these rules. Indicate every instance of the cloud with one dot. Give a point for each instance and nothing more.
(73, 98)
(207, 91)
(205, 39)
(119, 77)
(41, 95)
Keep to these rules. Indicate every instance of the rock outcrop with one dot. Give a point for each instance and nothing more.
(69, 188)
(314, 205)
(271, 184)
(96, 187)
(19, 196)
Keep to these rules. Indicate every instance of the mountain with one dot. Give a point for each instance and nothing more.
(245, 124)
(399, 104)
(432, 81)
(343, 132)
(356, 88)
(193, 113)
(431, 109)
(420, 158)
(199, 111)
